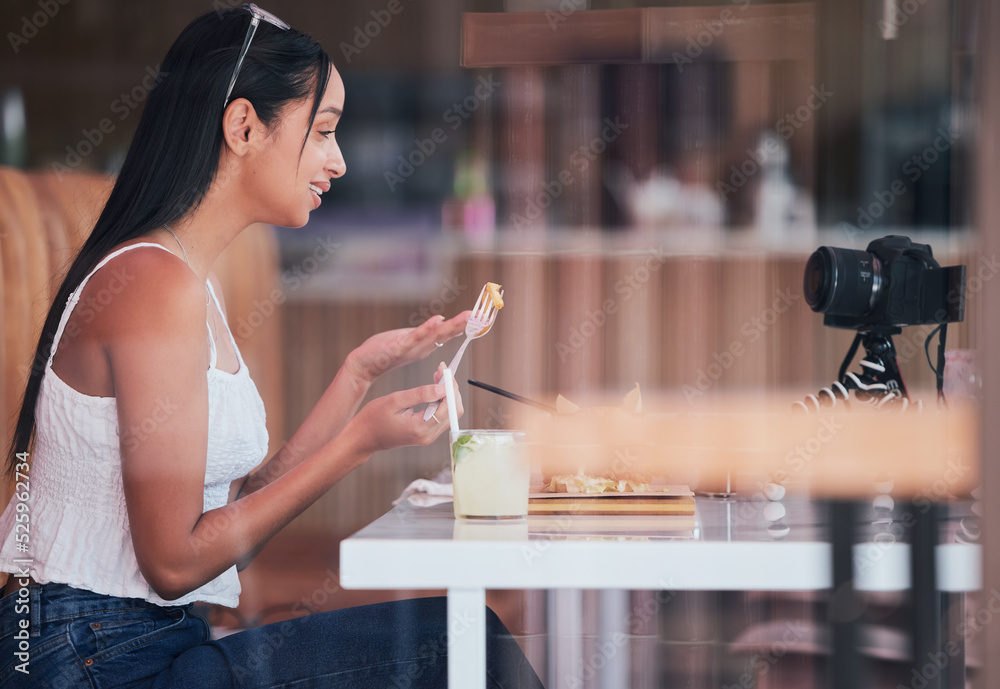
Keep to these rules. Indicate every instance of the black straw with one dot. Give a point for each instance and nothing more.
(511, 395)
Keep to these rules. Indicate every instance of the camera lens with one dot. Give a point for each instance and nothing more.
(841, 282)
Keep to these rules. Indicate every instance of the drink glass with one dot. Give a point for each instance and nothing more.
(490, 473)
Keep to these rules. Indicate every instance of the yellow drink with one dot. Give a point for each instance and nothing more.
(489, 474)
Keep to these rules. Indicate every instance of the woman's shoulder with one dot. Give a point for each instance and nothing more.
(144, 264)
(145, 251)
(135, 297)
(143, 277)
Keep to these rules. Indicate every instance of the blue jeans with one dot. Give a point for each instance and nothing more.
(67, 637)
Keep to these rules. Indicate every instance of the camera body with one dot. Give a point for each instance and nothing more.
(894, 283)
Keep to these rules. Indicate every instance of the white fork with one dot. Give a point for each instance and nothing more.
(484, 313)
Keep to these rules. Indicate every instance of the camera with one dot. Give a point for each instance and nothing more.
(894, 282)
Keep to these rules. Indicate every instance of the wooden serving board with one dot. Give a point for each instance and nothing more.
(630, 506)
(670, 500)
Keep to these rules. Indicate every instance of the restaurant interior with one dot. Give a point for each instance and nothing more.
(647, 180)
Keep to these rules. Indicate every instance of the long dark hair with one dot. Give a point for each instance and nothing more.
(175, 153)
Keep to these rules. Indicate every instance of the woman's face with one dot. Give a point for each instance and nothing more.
(290, 185)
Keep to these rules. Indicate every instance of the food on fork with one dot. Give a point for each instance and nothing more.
(484, 315)
(496, 294)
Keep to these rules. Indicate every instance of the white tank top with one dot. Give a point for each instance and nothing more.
(79, 529)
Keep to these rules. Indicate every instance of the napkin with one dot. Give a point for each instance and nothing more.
(428, 492)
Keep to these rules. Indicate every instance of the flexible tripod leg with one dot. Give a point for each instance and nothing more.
(880, 381)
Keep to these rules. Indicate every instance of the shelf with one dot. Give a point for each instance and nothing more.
(654, 35)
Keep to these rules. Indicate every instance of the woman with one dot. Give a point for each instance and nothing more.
(128, 530)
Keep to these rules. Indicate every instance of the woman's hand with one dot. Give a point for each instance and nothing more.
(343, 396)
(385, 351)
(397, 419)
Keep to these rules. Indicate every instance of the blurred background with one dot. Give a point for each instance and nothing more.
(646, 180)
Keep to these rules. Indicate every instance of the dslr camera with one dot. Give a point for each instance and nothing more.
(893, 283)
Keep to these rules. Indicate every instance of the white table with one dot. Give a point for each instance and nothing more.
(726, 546)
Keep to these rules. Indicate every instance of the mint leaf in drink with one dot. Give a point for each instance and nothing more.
(461, 447)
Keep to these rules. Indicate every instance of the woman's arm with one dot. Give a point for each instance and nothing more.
(342, 397)
(158, 355)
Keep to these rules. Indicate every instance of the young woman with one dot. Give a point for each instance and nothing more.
(129, 530)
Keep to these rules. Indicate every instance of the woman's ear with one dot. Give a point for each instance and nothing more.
(238, 123)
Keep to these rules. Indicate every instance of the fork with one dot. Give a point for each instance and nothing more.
(484, 313)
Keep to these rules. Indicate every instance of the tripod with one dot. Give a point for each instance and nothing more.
(880, 382)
